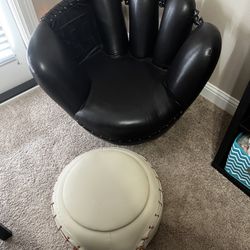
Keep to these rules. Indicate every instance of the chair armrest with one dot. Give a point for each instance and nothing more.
(194, 64)
(55, 71)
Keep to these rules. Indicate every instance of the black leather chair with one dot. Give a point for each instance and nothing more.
(124, 90)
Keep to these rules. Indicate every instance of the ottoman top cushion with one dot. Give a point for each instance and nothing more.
(105, 189)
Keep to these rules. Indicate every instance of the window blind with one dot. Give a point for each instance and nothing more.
(6, 53)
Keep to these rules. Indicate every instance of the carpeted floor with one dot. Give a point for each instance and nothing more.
(203, 210)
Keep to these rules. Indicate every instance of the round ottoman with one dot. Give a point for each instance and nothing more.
(108, 199)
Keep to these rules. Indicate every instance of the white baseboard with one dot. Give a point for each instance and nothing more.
(20, 95)
(220, 98)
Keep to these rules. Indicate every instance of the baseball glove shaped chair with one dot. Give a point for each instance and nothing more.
(124, 88)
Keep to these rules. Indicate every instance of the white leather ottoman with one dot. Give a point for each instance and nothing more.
(108, 199)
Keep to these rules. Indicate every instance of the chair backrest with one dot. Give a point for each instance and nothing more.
(74, 23)
(86, 25)
(145, 38)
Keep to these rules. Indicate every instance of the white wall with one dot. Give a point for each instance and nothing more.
(43, 6)
(233, 20)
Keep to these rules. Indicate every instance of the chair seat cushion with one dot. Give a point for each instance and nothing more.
(127, 99)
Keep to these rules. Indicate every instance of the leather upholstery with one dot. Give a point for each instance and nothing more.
(143, 29)
(108, 198)
(121, 107)
(176, 25)
(125, 90)
(111, 25)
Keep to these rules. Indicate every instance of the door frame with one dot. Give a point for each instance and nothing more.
(25, 17)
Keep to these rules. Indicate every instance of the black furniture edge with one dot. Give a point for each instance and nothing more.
(237, 125)
(245, 125)
(233, 180)
(17, 90)
(5, 233)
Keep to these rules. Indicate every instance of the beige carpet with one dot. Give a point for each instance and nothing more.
(203, 210)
